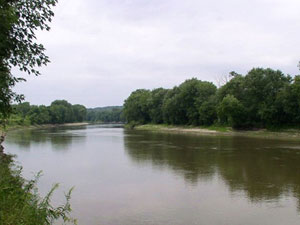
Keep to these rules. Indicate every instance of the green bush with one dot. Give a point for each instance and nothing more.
(231, 112)
(20, 204)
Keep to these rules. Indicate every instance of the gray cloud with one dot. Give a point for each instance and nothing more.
(103, 50)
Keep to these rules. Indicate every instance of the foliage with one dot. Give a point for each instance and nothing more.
(109, 114)
(60, 111)
(261, 88)
(234, 87)
(231, 112)
(155, 104)
(207, 111)
(261, 98)
(136, 106)
(172, 112)
(20, 19)
(20, 202)
(183, 106)
(132, 124)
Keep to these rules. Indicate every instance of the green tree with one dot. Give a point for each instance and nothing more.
(136, 106)
(63, 111)
(173, 113)
(155, 105)
(44, 115)
(23, 108)
(105, 114)
(288, 104)
(260, 90)
(60, 111)
(34, 115)
(208, 111)
(182, 103)
(231, 112)
(91, 115)
(20, 19)
(79, 112)
(258, 93)
(57, 114)
(233, 87)
(193, 93)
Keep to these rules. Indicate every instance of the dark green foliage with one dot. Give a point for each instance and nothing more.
(109, 114)
(208, 112)
(231, 112)
(182, 104)
(23, 108)
(60, 111)
(79, 112)
(192, 94)
(258, 93)
(261, 88)
(234, 87)
(172, 112)
(136, 106)
(155, 105)
(20, 19)
(288, 103)
(262, 98)
(20, 203)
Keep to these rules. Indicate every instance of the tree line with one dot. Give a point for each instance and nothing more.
(109, 114)
(261, 98)
(60, 111)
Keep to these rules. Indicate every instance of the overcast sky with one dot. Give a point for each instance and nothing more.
(102, 50)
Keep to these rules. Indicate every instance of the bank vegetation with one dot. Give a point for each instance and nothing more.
(263, 98)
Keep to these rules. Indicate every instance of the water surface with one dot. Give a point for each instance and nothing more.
(125, 177)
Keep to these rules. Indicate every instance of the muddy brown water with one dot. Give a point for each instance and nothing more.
(125, 177)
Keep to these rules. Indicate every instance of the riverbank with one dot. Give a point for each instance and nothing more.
(218, 130)
(20, 202)
(37, 126)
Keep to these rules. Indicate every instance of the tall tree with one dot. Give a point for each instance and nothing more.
(79, 112)
(20, 19)
(155, 105)
(136, 106)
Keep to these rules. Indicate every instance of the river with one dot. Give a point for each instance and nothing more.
(126, 177)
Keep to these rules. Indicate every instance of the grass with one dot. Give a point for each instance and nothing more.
(20, 203)
(157, 127)
(218, 128)
(282, 133)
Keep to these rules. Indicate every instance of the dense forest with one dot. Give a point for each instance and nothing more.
(109, 114)
(60, 111)
(261, 98)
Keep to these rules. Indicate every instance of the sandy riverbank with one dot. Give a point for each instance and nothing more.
(225, 131)
(17, 127)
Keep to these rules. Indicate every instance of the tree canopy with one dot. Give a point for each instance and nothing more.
(20, 19)
(261, 98)
(108, 114)
(60, 111)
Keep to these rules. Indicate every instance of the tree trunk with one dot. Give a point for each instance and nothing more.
(2, 138)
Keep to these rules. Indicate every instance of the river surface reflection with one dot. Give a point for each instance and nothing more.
(135, 177)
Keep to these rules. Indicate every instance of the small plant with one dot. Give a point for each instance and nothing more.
(20, 203)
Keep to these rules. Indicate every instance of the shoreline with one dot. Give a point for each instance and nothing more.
(39, 126)
(221, 131)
